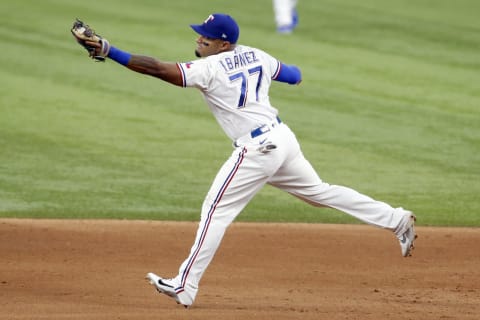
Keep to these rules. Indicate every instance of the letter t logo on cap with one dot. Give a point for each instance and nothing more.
(210, 18)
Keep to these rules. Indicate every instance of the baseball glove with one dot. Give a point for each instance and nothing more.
(96, 46)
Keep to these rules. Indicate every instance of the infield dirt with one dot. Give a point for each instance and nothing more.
(94, 269)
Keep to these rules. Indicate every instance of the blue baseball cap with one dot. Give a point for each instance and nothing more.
(218, 26)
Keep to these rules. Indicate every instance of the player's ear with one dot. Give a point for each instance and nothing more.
(226, 46)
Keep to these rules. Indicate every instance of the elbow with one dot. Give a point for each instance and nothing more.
(289, 74)
(296, 76)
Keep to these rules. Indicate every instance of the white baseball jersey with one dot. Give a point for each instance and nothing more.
(235, 85)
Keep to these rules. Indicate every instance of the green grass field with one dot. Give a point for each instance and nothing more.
(389, 105)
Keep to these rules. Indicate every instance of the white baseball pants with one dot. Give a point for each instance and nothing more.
(246, 172)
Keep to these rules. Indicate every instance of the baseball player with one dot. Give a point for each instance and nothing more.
(286, 16)
(234, 79)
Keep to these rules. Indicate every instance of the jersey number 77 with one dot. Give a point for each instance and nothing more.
(246, 80)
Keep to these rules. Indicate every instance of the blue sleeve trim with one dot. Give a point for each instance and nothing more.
(288, 73)
(275, 75)
(182, 72)
(119, 56)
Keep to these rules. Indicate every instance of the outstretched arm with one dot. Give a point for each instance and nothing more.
(167, 71)
(99, 48)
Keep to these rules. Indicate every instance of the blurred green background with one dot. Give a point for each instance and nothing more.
(389, 105)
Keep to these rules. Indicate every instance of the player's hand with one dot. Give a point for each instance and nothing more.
(96, 46)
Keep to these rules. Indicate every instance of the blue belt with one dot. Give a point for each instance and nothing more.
(265, 128)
